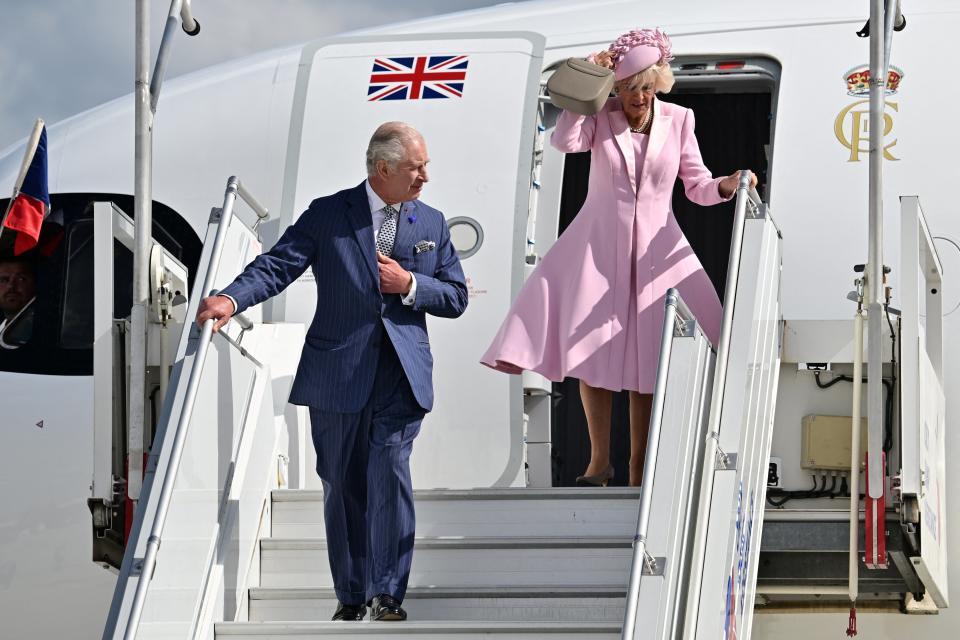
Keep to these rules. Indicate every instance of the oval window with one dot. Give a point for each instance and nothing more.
(466, 234)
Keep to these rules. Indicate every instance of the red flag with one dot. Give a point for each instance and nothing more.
(31, 202)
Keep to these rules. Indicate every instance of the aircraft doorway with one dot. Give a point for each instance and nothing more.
(735, 107)
(59, 339)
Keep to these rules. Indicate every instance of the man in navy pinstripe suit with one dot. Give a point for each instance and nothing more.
(366, 368)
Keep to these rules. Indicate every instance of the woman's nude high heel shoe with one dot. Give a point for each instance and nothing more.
(597, 480)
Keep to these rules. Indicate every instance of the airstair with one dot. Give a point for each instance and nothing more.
(244, 555)
(504, 563)
(543, 563)
(241, 555)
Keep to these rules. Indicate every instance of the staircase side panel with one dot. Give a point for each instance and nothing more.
(210, 531)
(763, 405)
(745, 431)
(677, 473)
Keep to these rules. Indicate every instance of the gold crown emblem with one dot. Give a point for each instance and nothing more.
(858, 80)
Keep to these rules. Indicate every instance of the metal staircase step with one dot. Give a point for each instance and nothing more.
(604, 511)
(814, 553)
(467, 562)
(501, 604)
(411, 629)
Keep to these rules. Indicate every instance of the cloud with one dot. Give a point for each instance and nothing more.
(65, 56)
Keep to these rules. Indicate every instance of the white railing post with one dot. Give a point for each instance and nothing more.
(234, 188)
(674, 309)
(746, 198)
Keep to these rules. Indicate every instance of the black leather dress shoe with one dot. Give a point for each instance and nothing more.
(386, 607)
(349, 612)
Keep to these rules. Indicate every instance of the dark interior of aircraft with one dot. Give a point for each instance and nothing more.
(59, 338)
(734, 131)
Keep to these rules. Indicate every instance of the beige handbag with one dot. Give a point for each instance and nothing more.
(580, 86)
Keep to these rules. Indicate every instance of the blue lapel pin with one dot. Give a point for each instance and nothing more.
(412, 218)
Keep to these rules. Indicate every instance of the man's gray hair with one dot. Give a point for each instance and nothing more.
(389, 144)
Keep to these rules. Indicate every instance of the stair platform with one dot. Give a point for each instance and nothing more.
(502, 604)
(474, 562)
(574, 511)
(409, 629)
(812, 552)
(487, 563)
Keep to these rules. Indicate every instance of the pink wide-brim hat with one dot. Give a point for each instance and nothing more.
(635, 61)
(637, 50)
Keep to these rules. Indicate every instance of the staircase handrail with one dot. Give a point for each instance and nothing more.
(675, 319)
(748, 203)
(234, 188)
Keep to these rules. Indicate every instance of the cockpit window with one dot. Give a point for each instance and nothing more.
(76, 323)
(18, 282)
(47, 293)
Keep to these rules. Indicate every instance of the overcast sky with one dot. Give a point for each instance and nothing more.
(60, 57)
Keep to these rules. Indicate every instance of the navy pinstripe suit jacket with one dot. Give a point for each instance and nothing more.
(334, 237)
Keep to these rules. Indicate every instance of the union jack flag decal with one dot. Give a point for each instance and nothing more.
(417, 78)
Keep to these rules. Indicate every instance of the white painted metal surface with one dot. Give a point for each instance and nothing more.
(477, 604)
(931, 565)
(500, 562)
(470, 177)
(473, 562)
(746, 410)
(811, 341)
(103, 357)
(44, 550)
(921, 334)
(922, 403)
(432, 630)
(43, 540)
(689, 377)
(111, 225)
(575, 512)
(228, 468)
(822, 341)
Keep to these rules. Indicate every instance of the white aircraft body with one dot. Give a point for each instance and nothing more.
(784, 80)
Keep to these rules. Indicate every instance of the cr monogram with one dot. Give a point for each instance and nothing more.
(852, 128)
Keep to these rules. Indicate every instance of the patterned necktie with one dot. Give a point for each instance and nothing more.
(388, 231)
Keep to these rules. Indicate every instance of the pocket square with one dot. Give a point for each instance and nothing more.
(424, 245)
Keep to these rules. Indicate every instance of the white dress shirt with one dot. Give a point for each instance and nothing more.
(379, 215)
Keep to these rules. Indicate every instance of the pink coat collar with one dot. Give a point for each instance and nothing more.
(658, 135)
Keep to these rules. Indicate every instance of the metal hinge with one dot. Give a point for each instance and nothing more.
(654, 566)
(724, 460)
(651, 566)
(684, 328)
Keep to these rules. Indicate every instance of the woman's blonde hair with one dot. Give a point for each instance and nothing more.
(660, 75)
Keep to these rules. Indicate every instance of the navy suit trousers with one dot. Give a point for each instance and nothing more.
(363, 460)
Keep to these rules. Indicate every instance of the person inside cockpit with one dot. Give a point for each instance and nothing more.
(17, 293)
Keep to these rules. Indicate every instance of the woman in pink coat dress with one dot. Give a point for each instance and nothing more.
(593, 308)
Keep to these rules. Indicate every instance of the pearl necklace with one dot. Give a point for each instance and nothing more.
(645, 125)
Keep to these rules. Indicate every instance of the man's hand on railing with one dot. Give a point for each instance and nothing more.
(728, 186)
(219, 308)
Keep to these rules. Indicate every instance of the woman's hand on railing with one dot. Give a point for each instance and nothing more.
(219, 308)
(728, 186)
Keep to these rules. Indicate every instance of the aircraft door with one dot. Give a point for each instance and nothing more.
(109, 239)
(474, 98)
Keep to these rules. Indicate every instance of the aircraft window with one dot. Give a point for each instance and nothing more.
(466, 234)
(17, 295)
(16, 332)
(53, 334)
(76, 326)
